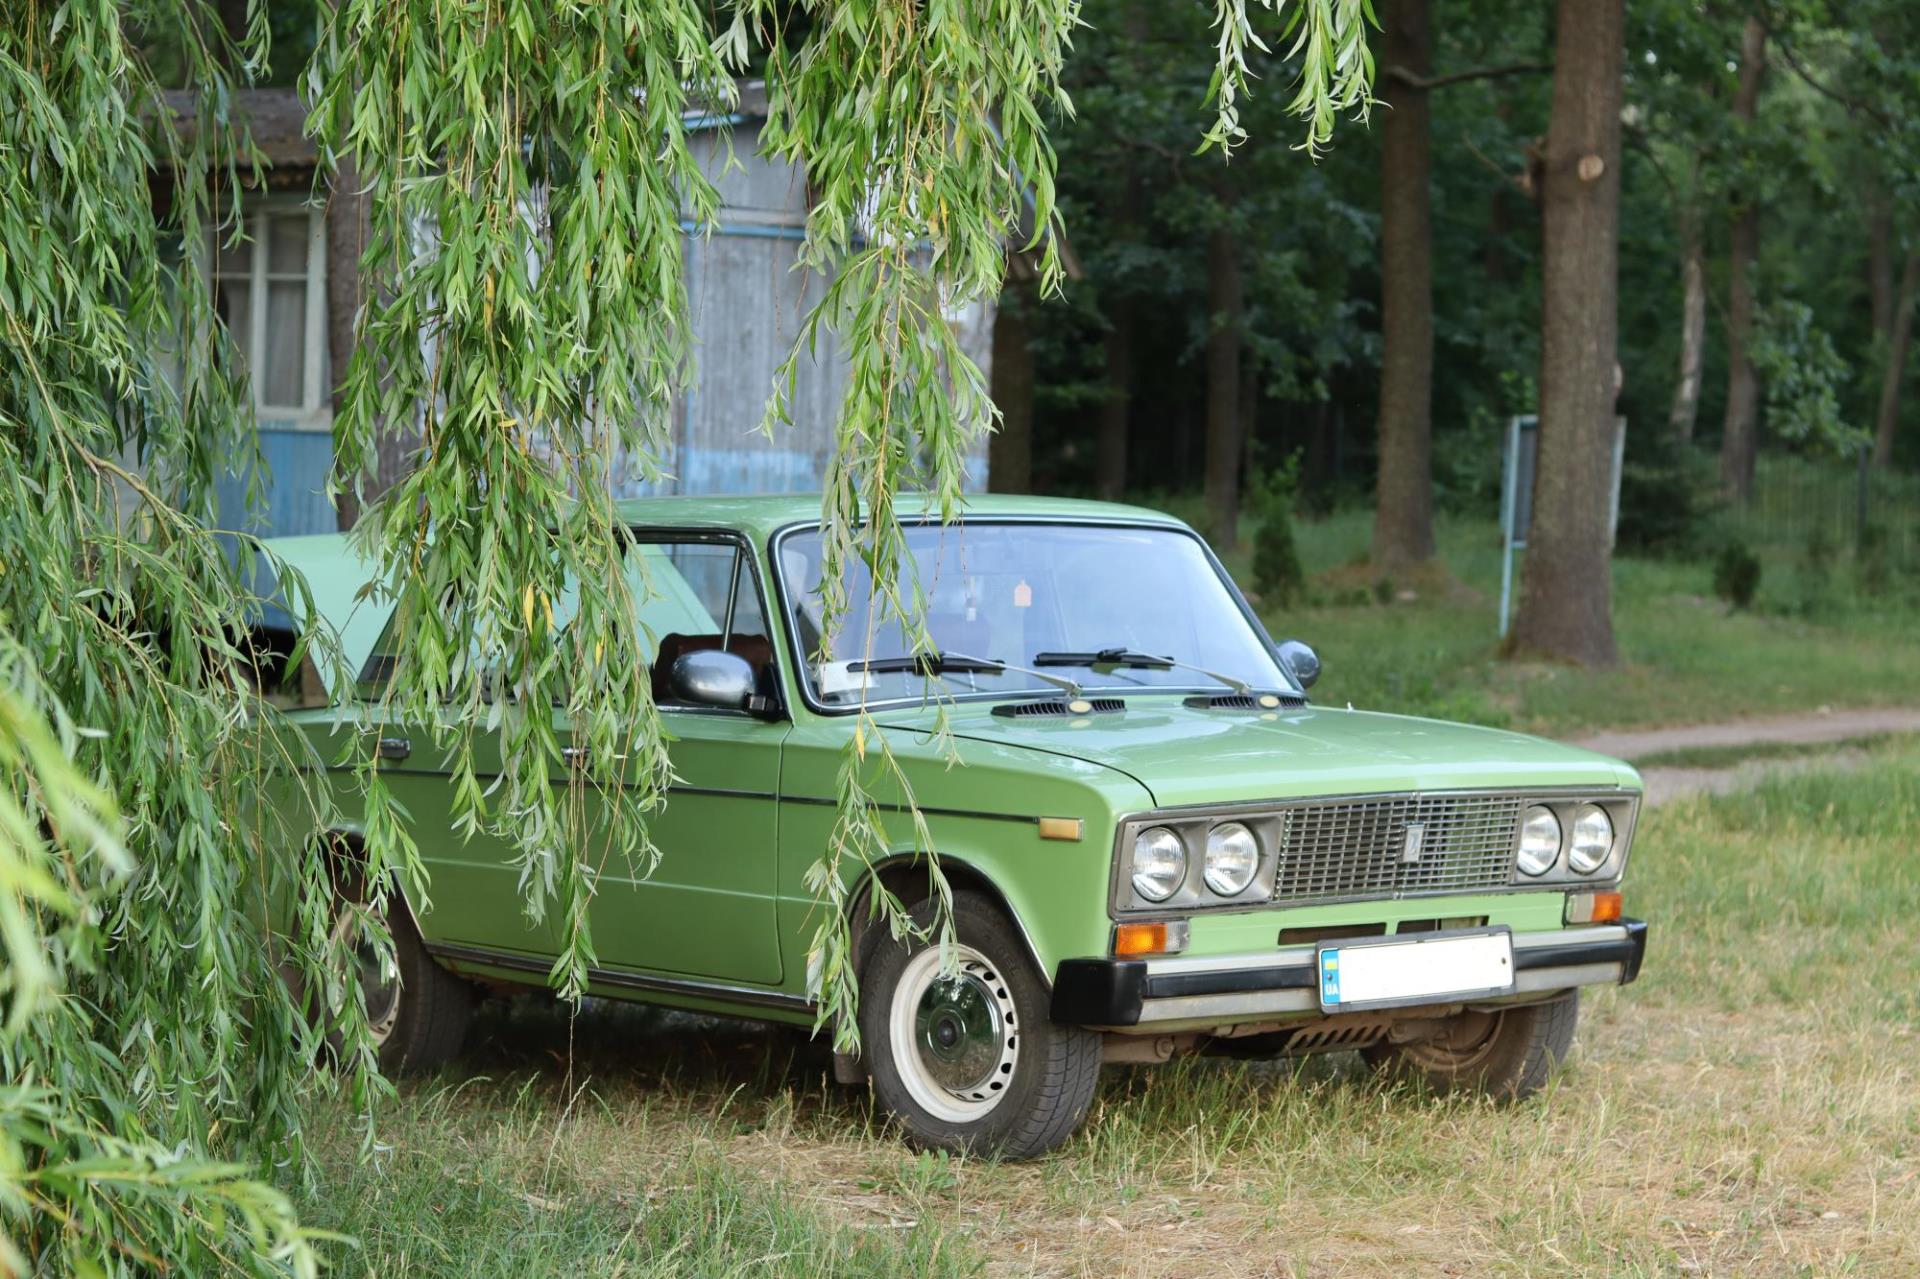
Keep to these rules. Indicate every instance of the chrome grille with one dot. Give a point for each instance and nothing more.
(1357, 848)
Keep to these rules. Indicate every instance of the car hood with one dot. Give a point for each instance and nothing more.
(1188, 755)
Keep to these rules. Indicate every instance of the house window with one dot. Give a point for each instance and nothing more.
(271, 291)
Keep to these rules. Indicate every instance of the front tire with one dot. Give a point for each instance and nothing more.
(1507, 1055)
(418, 1020)
(972, 1062)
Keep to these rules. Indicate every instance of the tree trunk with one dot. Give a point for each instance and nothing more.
(1888, 419)
(1403, 496)
(1010, 451)
(1110, 465)
(1739, 439)
(1223, 386)
(1565, 597)
(1880, 265)
(1249, 417)
(1693, 332)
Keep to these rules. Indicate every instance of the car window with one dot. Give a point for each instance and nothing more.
(688, 596)
(696, 596)
(1032, 594)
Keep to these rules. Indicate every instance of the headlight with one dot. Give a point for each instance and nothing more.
(1233, 855)
(1539, 841)
(1159, 863)
(1592, 839)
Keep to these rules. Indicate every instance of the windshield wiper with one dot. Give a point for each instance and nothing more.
(1139, 661)
(958, 664)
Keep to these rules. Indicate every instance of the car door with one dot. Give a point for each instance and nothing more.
(706, 910)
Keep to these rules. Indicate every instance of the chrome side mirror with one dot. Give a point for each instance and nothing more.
(712, 677)
(1301, 660)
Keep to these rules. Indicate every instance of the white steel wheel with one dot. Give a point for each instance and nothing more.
(379, 991)
(967, 1058)
(955, 1036)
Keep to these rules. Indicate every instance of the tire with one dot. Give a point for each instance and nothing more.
(419, 1020)
(972, 1063)
(1506, 1055)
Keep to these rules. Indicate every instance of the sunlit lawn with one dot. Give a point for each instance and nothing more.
(1751, 1107)
(1686, 657)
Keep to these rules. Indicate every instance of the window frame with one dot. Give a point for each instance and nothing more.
(314, 413)
(668, 535)
(803, 684)
(370, 689)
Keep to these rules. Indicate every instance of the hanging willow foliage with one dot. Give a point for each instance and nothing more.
(150, 1054)
(530, 187)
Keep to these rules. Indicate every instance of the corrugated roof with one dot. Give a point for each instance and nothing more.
(274, 117)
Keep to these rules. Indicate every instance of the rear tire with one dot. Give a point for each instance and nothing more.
(972, 1062)
(1507, 1055)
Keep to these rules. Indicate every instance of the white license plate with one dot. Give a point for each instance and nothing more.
(1429, 969)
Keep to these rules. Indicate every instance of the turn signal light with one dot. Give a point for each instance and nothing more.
(1152, 937)
(1594, 908)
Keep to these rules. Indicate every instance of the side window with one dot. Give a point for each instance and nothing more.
(689, 596)
(694, 596)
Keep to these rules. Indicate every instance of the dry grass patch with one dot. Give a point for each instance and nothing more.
(1751, 1108)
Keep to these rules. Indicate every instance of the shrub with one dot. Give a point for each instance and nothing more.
(1873, 562)
(1736, 575)
(1278, 574)
(1669, 495)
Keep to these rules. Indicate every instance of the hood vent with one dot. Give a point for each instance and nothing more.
(1241, 702)
(1060, 708)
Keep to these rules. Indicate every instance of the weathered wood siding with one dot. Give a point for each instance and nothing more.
(747, 301)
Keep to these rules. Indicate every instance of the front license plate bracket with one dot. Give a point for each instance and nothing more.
(1407, 970)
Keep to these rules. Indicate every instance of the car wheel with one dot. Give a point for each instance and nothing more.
(970, 1061)
(417, 1016)
(1505, 1054)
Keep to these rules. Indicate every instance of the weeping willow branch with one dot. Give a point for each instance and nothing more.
(1336, 67)
(153, 1056)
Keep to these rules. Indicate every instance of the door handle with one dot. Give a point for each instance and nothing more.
(393, 748)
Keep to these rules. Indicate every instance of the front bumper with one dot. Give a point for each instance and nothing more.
(1224, 989)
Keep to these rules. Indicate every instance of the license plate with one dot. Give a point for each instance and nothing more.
(1431, 968)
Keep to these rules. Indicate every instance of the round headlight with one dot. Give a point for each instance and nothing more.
(1539, 841)
(1159, 863)
(1233, 855)
(1592, 839)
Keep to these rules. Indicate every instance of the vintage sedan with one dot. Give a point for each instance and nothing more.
(1158, 844)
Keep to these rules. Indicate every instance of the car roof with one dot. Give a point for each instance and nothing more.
(763, 514)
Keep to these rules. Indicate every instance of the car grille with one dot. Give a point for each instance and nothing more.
(1358, 848)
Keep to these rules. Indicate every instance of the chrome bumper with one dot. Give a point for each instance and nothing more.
(1236, 988)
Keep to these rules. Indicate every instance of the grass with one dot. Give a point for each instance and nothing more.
(1431, 648)
(1751, 1107)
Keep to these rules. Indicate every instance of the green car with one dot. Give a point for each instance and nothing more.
(1157, 844)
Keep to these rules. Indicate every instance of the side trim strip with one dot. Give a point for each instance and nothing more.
(720, 792)
(755, 996)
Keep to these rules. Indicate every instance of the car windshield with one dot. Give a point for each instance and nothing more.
(1090, 603)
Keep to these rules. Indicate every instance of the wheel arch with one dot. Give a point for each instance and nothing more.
(344, 841)
(909, 878)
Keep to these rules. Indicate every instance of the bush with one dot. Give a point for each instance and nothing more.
(1669, 495)
(1736, 575)
(1278, 574)
(1873, 562)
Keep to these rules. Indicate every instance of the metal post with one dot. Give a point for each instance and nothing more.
(1508, 499)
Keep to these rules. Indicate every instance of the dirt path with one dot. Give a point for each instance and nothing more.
(1814, 727)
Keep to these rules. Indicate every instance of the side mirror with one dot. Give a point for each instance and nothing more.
(1301, 660)
(713, 677)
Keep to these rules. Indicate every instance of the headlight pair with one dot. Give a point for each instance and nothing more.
(1231, 861)
(1588, 843)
